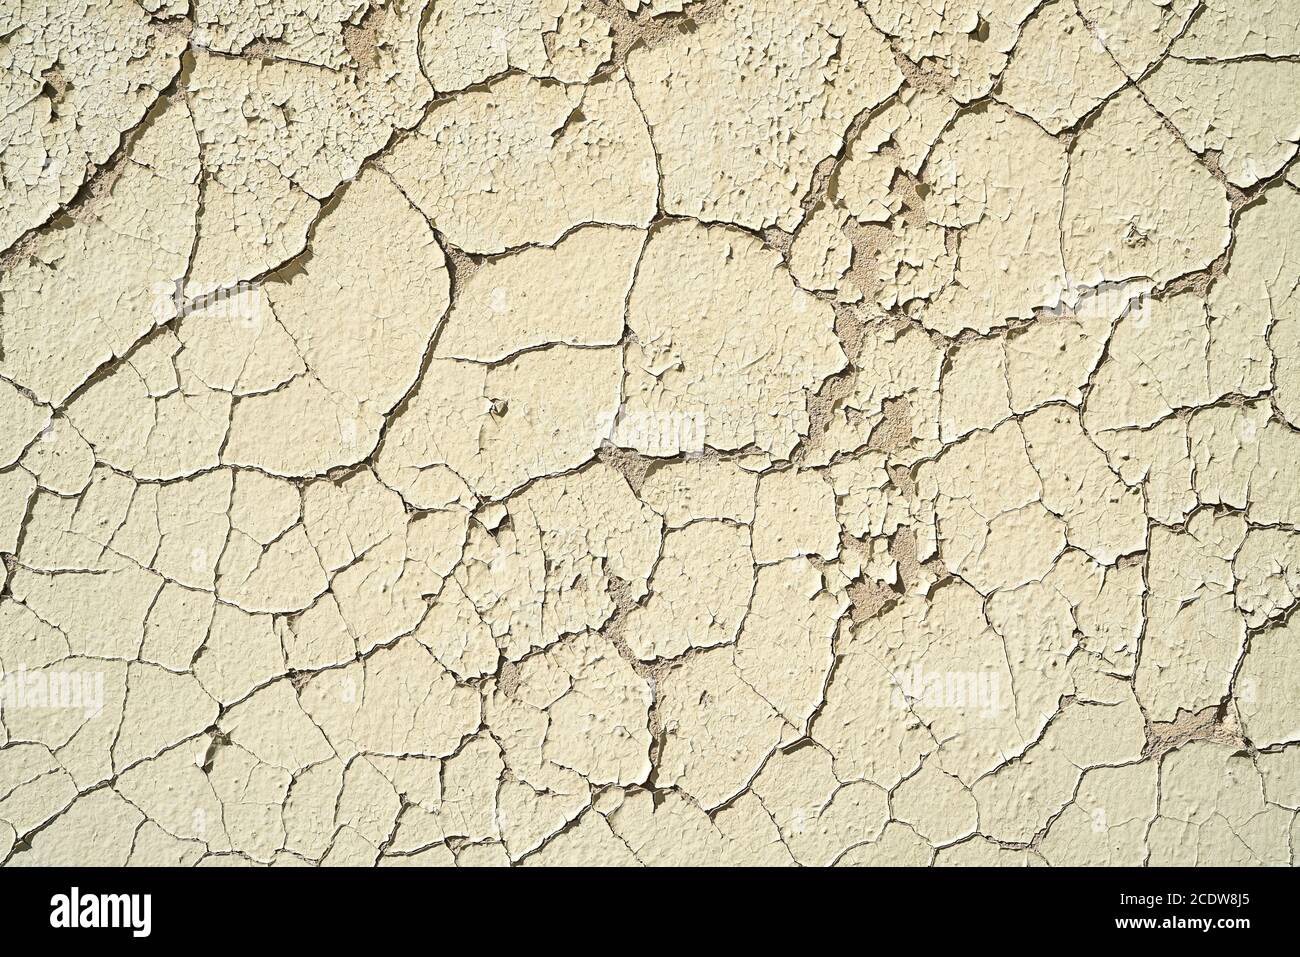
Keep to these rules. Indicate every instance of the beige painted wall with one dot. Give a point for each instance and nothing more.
(596, 432)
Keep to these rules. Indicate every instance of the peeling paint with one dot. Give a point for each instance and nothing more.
(649, 432)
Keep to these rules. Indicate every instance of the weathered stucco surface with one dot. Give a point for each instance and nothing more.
(484, 432)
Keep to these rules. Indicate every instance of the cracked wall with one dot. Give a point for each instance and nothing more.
(484, 432)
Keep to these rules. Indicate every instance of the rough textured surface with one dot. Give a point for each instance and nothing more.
(649, 432)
